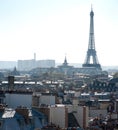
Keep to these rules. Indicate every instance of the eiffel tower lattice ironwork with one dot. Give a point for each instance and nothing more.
(91, 57)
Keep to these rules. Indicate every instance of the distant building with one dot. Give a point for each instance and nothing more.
(26, 65)
(8, 64)
(45, 63)
(65, 68)
(15, 72)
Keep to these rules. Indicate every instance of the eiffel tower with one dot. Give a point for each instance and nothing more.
(91, 57)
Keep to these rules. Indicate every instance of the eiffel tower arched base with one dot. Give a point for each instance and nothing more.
(98, 66)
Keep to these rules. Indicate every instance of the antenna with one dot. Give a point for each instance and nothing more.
(91, 7)
(34, 56)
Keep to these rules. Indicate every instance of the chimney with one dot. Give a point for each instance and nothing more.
(11, 82)
(34, 56)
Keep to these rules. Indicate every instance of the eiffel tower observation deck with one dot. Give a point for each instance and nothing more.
(91, 60)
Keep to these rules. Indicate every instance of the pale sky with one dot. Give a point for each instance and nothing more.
(55, 28)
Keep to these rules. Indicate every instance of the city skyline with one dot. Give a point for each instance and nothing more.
(55, 29)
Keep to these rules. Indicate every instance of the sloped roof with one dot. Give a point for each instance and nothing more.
(114, 80)
(8, 113)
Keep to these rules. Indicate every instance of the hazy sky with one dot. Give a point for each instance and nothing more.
(55, 28)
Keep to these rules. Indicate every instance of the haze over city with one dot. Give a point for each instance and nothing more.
(55, 28)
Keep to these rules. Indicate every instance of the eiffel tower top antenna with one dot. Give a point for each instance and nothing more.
(91, 7)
